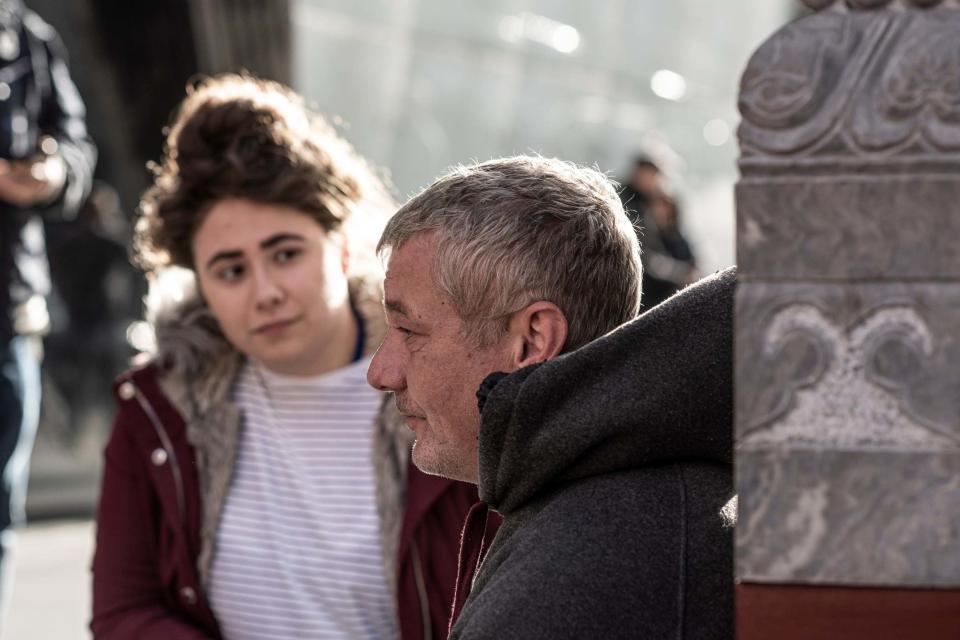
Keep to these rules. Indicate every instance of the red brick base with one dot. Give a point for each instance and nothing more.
(772, 612)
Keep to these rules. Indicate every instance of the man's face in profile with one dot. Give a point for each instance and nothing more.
(432, 367)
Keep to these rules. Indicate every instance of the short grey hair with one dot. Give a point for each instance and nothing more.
(513, 231)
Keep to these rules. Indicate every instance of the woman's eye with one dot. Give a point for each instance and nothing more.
(286, 255)
(230, 274)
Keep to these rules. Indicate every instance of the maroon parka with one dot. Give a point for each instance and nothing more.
(145, 576)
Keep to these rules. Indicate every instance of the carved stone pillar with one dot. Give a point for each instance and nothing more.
(848, 325)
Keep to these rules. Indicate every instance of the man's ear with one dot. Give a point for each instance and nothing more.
(538, 332)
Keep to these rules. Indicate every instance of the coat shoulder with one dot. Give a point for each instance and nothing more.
(617, 545)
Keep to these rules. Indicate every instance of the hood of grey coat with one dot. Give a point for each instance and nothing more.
(656, 391)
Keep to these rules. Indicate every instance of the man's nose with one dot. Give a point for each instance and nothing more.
(386, 370)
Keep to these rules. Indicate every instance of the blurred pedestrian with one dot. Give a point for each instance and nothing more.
(98, 295)
(668, 260)
(254, 486)
(46, 167)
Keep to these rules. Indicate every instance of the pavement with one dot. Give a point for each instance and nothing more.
(51, 589)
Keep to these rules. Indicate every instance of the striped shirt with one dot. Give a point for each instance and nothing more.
(298, 551)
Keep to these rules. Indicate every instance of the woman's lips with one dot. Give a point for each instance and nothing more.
(273, 328)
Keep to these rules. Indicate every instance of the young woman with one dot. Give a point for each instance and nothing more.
(254, 486)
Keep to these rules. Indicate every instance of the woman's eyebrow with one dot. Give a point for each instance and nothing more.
(272, 241)
(277, 238)
(229, 254)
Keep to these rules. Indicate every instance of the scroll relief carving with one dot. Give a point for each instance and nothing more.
(819, 5)
(793, 91)
(915, 98)
(858, 83)
(851, 396)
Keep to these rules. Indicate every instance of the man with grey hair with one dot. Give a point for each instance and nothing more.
(607, 453)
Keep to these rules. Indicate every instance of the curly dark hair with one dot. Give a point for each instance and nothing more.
(236, 136)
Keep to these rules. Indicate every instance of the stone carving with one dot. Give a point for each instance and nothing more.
(849, 83)
(909, 104)
(847, 394)
(844, 518)
(851, 227)
(818, 5)
(808, 527)
(792, 94)
(847, 409)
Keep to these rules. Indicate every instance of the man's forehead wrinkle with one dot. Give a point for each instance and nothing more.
(398, 307)
(395, 306)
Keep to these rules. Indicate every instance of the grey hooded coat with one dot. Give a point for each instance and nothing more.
(612, 469)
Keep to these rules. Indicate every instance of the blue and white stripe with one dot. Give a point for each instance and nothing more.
(298, 551)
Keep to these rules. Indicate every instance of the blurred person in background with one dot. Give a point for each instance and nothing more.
(97, 295)
(668, 260)
(254, 486)
(46, 167)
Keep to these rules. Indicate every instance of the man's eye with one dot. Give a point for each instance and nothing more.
(406, 333)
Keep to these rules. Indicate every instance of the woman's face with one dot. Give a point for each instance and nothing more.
(276, 282)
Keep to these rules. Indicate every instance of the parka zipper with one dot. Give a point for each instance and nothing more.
(421, 591)
(168, 447)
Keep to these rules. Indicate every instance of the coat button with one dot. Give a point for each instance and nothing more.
(127, 390)
(188, 595)
(158, 457)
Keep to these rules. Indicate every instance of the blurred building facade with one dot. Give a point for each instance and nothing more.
(417, 86)
(424, 84)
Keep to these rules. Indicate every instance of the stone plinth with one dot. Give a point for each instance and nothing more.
(848, 309)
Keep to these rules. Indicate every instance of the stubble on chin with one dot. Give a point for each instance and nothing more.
(435, 463)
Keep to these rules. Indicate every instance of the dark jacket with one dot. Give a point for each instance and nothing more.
(666, 254)
(167, 469)
(39, 100)
(612, 469)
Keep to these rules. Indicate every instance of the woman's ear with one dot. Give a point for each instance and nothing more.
(539, 332)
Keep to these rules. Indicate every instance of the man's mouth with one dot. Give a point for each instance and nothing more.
(414, 423)
(407, 412)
